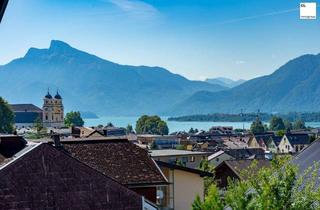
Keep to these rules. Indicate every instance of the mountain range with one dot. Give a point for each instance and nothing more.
(89, 83)
(225, 82)
(295, 86)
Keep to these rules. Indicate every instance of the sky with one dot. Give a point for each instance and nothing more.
(238, 39)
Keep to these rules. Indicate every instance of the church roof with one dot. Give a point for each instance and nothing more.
(25, 108)
(48, 96)
(57, 96)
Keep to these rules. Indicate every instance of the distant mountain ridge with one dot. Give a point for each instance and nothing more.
(89, 83)
(295, 86)
(225, 82)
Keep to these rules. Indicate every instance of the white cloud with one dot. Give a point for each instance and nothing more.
(136, 8)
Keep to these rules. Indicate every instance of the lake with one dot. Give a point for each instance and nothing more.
(173, 125)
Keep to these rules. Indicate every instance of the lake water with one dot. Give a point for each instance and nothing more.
(173, 125)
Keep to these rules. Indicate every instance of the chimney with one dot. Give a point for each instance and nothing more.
(56, 140)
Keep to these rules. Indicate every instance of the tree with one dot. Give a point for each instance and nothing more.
(151, 125)
(278, 187)
(280, 133)
(162, 128)
(191, 131)
(276, 123)
(153, 145)
(257, 126)
(6, 117)
(109, 124)
(180, 163)
(299, 124)
(38, 125)
(129, 129)
(208, 181)
(73, 119)
(288, 125)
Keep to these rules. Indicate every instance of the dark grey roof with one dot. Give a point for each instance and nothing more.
(265, 138)
(10, 145)
(298, 138)
(237, 166)
(246, 153)
(25, 108)
(183, 168)
(277, 139)
(3, 5)
(308, 158)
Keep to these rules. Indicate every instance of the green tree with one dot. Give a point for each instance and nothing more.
(278, 187)
(109, 124)
(73, 119)
(276, 123)
(6, 117)
(129, 129)
(180, 163)
(153, 145)
(299, 124)
(191, 131)
(208, 181)
(38, 125)
(151, 125)
(288, 125)
(280, 133)
(257, 126)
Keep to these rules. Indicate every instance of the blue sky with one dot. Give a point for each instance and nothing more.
(194, 38)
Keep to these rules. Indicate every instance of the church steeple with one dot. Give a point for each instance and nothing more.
(57, 96)
(48, 96)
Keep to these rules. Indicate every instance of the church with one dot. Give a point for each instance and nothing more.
(51, 114)
(52, 111)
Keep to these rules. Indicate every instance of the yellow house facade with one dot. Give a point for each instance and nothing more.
(185, 185)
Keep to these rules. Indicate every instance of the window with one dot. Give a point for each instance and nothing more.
(192, 159)
(217, 159)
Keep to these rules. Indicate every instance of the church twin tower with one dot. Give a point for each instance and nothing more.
(53, 114)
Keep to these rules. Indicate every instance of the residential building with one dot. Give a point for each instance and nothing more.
(268, 142)
(234, 170)
(160, 141)
(222, 130)
(113, 131)
(235, 142)
(53, 111)
(218, 157)
(85, 131)
(236, 154)
(190, 159)
(185, 185)
(41, 176)
(121, 160)
(292, 143)
(26, 115)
